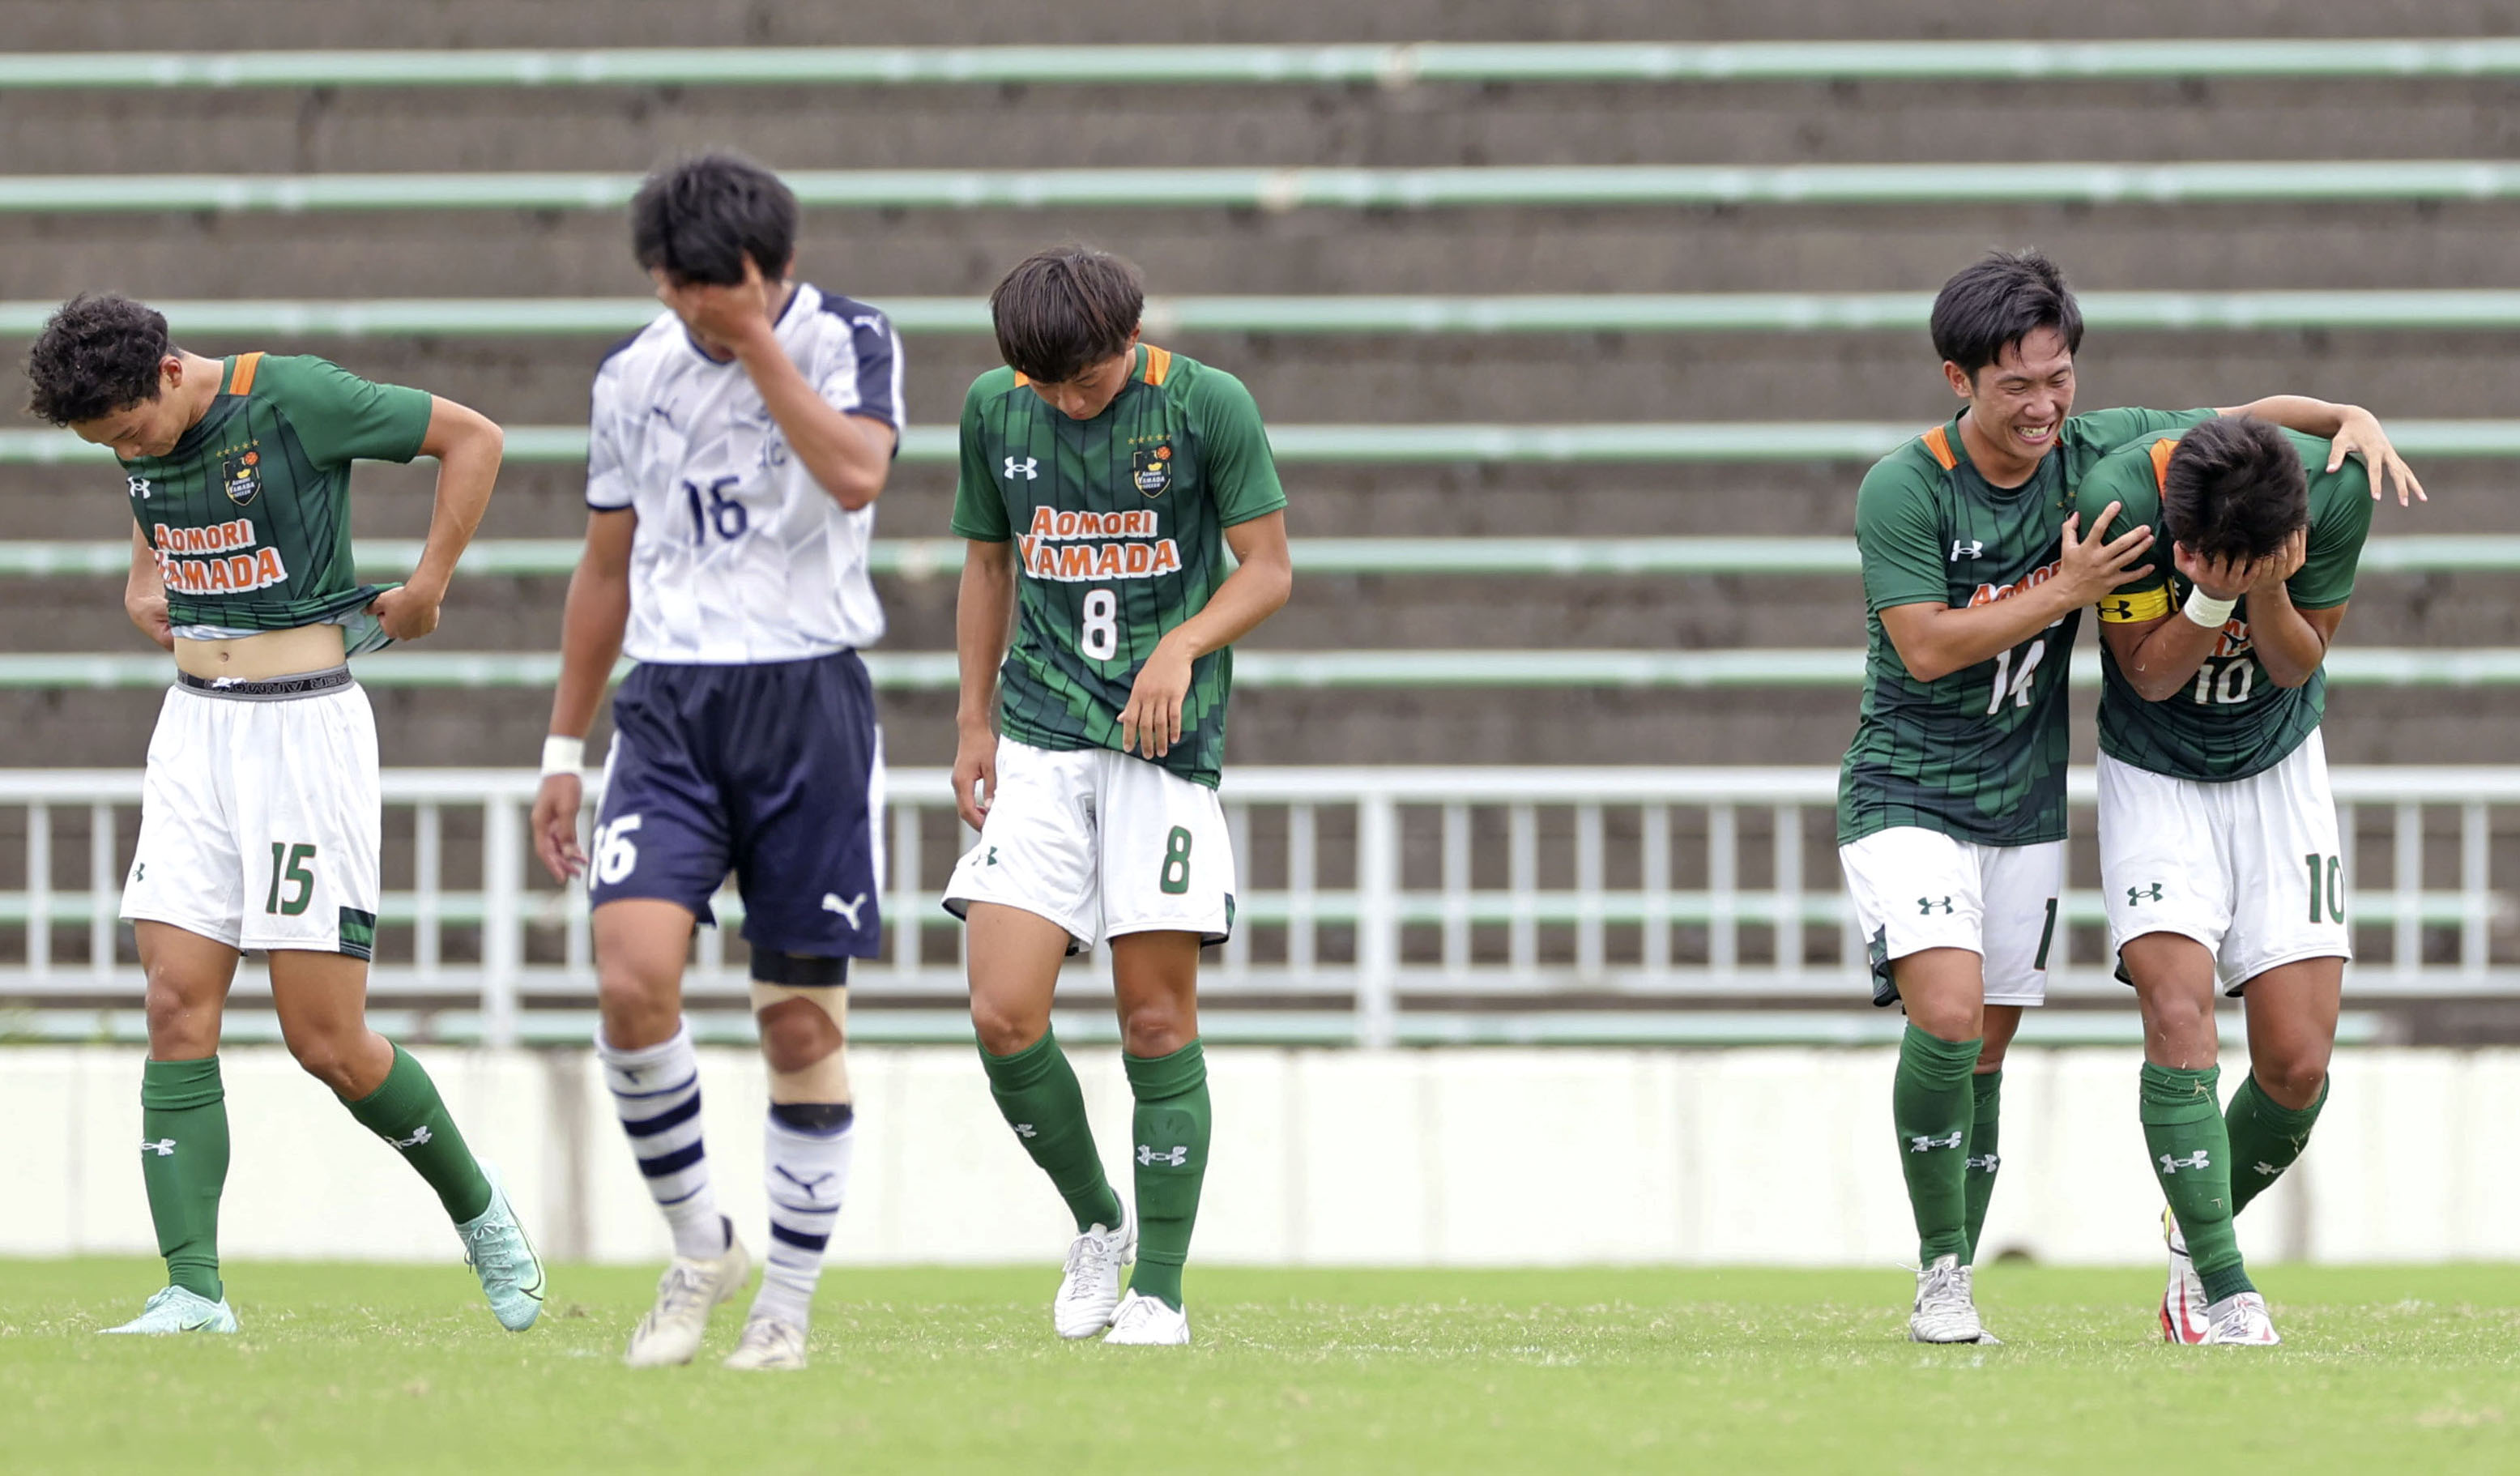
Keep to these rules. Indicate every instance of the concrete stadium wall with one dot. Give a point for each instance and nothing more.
(1321, 1157)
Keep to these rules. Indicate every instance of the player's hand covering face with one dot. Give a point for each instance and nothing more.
(725, 317)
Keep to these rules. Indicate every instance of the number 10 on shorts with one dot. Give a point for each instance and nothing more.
(2331, 870)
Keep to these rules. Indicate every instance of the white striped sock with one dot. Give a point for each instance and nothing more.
(656, 1092)
(807, 1173)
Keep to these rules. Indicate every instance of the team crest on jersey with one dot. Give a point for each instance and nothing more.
(1152, 469)
(241, 476)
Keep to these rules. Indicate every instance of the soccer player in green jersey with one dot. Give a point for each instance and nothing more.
(1103, 480)
(2218, 853)
(1951, 800)
(260, 816)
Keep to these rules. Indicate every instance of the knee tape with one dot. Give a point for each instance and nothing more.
(827, 1080)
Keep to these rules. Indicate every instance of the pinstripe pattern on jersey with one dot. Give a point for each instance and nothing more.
(1096, 572)
(1980, 753)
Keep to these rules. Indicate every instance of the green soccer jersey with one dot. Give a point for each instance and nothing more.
(1978, 754)
(1118, 524)
(2231, 721)
(250, 514)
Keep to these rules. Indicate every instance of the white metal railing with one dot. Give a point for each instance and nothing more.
(1371, 898)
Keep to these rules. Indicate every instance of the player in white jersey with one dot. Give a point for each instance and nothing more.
(739, 444)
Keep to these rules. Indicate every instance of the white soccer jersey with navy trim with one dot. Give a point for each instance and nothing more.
(740, 555)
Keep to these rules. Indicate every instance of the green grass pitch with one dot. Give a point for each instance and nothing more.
(394, 1368)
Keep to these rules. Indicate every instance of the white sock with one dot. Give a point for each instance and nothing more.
(807, 1174)
(656, 1092)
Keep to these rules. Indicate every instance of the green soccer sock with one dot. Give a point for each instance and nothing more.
(1931, 1103)
(1172, 1126)
(2191, 1156)
(184, 1162)
(407, 1112)
(1037, 1093)
(2266, 1137)
(1984, 1161)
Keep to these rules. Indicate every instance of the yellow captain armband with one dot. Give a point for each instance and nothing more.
(2143, 605)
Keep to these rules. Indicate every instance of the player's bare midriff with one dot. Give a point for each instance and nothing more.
(261, 657)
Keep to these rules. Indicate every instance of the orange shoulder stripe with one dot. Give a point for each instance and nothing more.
(241, 382)
(1938, 441)
(1159, 363)
(2161, 451)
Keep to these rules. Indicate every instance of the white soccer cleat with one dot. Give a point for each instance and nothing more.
(1089, 1288)
(689, 1291)
(2183, 1301)
(1147, 1322)
(175, 1309)
(2240, 1319)
(769, 1343)
(1946, 1311)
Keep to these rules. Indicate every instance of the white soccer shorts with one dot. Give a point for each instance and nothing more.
(1101, 844)
(261, 820)
(1915, 889)
(2250, 868)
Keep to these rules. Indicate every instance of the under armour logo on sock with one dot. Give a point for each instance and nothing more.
(2267, 1169)
(163, 1148)
(1026, 1130)
(2195, 1160)
(1149, 1157)
(1929, 1140)
(1989, 1163)
(418, 1135)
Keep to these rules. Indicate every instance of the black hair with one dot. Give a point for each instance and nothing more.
(1998, 300)
(98, 353)
(698, 218)
(1063, 310)
(2234, 488)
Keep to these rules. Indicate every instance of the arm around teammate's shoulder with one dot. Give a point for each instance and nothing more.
(1934, 640)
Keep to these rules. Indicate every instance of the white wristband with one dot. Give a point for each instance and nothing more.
(2206, 610)
(563, 755)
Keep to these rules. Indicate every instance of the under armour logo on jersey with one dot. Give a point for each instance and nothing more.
(1989, 1163)
(418, 1135)
(1029, 468)
(1929, 1141)
(2137, 894)
(1175, 1157)
(2195, 1160)
(1966, 548)
(1925, 905)
(831, 903)
(140, 488)
(163, 1148)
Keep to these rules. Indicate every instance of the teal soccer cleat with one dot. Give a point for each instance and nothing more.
(496, 1249)
(176, 1310)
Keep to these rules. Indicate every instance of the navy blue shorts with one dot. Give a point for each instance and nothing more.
(774, 772)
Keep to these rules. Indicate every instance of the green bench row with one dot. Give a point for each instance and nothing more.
(1287, 189)
(1140, 67)
(2484, 310)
